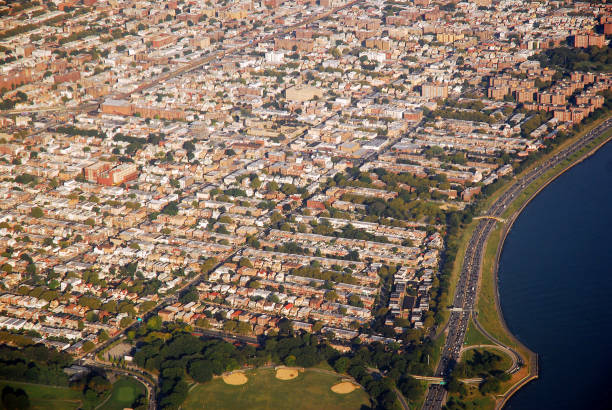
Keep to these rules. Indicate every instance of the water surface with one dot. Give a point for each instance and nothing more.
(555, 279)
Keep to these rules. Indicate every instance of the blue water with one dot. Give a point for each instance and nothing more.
(555, 281)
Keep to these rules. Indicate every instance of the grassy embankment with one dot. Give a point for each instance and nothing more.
(474, 337)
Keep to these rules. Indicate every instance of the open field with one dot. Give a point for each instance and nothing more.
(118, 350)
(50, 397)
(264, 391)
(125, 391)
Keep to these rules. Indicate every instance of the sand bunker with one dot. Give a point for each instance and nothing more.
(286, 374)
(235, 379)
(344, 387)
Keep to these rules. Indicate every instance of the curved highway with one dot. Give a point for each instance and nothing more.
(466, 291)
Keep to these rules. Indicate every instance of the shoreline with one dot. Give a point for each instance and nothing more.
(533, 356)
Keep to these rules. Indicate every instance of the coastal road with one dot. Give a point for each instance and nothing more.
(467, 286)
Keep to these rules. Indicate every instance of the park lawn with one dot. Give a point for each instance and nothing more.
(310, 390)
(50, 397)
(324, 365)
(125, 391)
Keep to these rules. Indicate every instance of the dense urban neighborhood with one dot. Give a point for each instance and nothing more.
(258, 171)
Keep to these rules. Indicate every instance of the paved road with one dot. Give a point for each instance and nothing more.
(467, 286)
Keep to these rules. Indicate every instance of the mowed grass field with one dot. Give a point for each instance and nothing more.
(48, 397)
(263, 391)
(125, 391)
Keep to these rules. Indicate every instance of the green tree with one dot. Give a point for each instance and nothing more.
(88, 346)
(36, 212)
(272, 186)
(342, 364)
(331, 295)
(203, 322)
(154, 323)
(245, 262)
(103, 336)
(170, 209)
(191, 296)
(290, 360)
(125, 322)
(200, 371)
(489, 385)
(15, 399)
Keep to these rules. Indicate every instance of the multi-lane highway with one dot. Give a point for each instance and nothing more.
(467, 286)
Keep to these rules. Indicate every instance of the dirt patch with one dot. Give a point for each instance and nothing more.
(235, 379)
(285, 373)
(344, 387)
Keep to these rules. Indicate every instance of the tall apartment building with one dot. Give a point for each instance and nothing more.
(432, 90)
(94, 171)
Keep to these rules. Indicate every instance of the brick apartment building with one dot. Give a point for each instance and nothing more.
(118, 175)
(589, 40)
